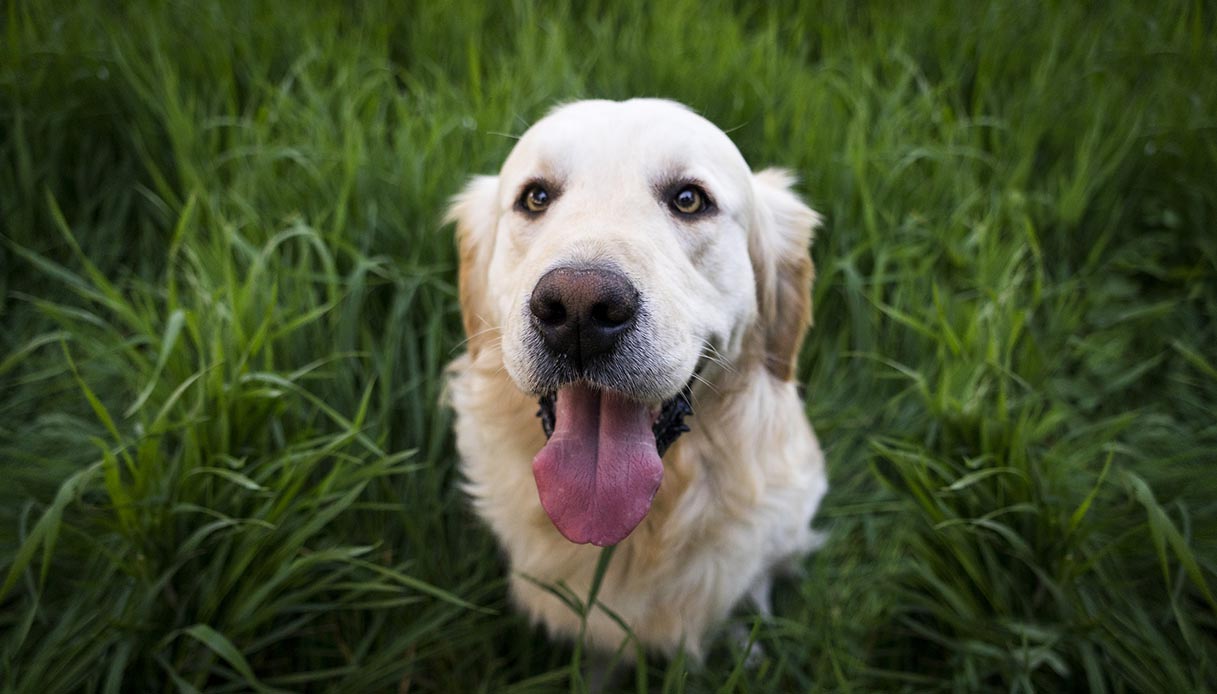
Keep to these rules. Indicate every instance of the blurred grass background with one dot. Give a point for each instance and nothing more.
(227, 301)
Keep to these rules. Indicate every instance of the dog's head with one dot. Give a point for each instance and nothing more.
(624, 249)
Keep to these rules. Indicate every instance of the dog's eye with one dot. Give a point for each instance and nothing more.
(535, 198)
(689, 200)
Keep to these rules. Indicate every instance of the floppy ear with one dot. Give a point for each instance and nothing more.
(780, 246)
(475, 212)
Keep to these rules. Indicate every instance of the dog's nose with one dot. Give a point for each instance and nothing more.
(582, 312)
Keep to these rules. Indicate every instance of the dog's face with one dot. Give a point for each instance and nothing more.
(623, 248)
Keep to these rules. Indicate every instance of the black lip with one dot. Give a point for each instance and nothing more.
(667, 428)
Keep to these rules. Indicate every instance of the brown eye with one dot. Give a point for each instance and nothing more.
(535, 198)
(689, 200)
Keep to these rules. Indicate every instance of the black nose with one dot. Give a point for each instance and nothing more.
(582, 312)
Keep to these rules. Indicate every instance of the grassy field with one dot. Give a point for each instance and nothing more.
(227, 300)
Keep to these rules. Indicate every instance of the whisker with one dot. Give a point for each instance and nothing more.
(484, 331)
(702, 379)
(710, 353)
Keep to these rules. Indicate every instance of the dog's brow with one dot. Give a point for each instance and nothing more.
(547, 169)
(542, 176)
(671, 175)
(671, 171)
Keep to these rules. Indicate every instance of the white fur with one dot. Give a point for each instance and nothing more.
(739, 489)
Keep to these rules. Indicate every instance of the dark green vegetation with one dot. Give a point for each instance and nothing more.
(228, 300)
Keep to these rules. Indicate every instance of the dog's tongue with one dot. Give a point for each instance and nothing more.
(600, 469)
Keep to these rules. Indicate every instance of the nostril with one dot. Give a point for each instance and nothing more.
(611, 315)
(552, 312)
(547, 307)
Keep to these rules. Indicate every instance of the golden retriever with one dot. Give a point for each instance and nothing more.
(624, 266)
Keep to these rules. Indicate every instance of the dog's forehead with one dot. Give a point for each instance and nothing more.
(640, 135)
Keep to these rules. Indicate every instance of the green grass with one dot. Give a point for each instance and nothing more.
(227, 301)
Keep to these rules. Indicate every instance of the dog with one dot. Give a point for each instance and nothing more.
(629, 279)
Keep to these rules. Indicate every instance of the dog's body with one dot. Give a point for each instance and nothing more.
(624, 255)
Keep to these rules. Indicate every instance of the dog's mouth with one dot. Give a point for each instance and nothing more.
(601, 466)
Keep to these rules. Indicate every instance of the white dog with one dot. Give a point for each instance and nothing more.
(624, 266)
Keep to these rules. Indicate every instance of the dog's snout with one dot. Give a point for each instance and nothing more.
(582, 312)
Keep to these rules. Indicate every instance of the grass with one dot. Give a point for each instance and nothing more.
(227, 301)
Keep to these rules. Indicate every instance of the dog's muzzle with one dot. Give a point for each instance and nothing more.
(601, 465)
(582, 314)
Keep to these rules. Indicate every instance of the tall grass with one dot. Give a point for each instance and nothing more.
(227, 302)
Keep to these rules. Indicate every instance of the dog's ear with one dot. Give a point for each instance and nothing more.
(780, 246)
(475, 213)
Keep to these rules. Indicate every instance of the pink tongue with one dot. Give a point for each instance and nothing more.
(599, 470)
